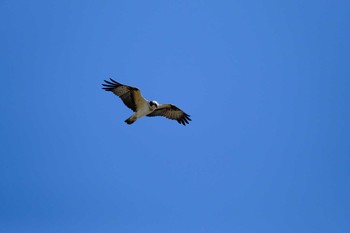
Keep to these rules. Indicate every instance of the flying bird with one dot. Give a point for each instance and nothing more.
(132, 98)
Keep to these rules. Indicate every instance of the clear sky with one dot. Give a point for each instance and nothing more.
(267, 84)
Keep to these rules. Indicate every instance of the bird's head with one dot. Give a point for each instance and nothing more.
(153, 104)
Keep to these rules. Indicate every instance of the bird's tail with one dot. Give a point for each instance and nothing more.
(131, 120)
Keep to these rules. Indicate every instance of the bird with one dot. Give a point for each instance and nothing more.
(133, 99)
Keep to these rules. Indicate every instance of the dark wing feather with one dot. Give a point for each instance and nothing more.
(171, 112)
(131, 96)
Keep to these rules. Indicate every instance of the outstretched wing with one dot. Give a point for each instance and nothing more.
(171, 112)
(131, 96)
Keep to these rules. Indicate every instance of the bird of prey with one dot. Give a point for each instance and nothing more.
(132, 98)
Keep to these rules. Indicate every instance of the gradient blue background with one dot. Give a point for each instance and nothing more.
(267, 84)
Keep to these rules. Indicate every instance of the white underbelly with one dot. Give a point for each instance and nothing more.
(143, 112)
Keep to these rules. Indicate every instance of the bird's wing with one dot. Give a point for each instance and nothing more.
(131, 96)
(171, 112)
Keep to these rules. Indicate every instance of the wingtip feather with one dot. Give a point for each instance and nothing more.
(115, 82)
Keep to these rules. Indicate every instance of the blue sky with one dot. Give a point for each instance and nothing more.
(265, 82)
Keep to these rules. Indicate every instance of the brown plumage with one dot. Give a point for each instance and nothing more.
(171, 112)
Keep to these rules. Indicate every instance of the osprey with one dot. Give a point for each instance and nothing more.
(132, 98)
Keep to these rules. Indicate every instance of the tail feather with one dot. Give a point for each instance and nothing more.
(130, 120)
